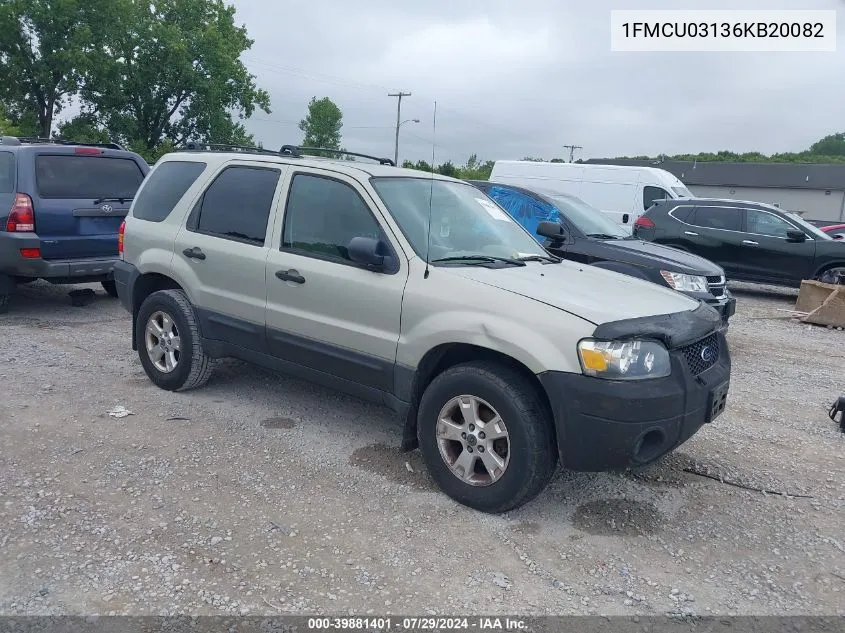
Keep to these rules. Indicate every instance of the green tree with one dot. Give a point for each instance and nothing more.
(322, 124)
(83, 128)
(831, 145)
(170, 71)
(44, 50)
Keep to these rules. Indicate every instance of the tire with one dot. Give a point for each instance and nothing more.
(192, 367)
(833, 275)
(5, 300)
(110, 287)
(532, 450)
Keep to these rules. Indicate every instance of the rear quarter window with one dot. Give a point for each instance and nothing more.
(82, 177)
(7, 172)
(682, 213)
(165, 187)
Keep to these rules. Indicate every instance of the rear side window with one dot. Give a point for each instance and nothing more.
(80, 177)
(682, 213)
(236, 205)
(7, 172)
(724, 218)
(165, 188)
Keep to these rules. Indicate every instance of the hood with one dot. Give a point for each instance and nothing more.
(651, 255)
(594, 294)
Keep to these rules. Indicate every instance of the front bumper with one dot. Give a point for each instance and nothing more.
(724, 305)
(616, 424)
(80, 270)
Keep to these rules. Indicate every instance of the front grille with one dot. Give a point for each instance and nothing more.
(702, 355)
(716, 285)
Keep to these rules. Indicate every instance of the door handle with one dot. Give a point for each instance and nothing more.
(290, 275)
(193, 253)
(690, 233)
(752, 243)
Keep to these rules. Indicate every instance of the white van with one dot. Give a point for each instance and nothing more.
(620, 191)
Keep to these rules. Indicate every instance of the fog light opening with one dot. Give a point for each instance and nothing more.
(650, 446)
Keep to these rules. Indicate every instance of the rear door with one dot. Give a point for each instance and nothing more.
(68, 187)
(714, 232)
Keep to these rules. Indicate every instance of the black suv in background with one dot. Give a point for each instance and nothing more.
(752, 241)
(587, 235)
(61, 205)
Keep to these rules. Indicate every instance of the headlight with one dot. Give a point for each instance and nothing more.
(685, 283)
(624, 360)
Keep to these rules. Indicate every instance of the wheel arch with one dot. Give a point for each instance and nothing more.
(439, 359)
(822, 269)
(145, 285)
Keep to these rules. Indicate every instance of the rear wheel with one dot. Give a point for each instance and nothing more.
(110, 287)
(169, 342)
(486, 436)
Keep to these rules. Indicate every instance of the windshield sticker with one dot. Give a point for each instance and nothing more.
(495, 212)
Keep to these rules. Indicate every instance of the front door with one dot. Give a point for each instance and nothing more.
(715, 233)
(768, 254)
(229, 223)
(324, 311)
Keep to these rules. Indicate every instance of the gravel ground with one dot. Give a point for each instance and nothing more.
(260, 494)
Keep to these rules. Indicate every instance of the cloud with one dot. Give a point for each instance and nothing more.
(518, 79)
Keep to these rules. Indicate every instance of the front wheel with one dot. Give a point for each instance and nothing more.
(486, 436)
(834, 275)
(169, 342)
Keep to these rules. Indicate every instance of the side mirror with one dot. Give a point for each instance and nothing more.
(625, 218)
(368, 251)
(795, 235)
(554, 231)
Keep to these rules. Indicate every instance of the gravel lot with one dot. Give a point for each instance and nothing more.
(262, 494)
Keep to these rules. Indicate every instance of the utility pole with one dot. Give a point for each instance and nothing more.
(399, 94)
(572, 149)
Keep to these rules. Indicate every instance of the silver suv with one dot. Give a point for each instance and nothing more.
(418, 292)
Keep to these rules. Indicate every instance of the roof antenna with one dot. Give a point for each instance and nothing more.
(430, 192)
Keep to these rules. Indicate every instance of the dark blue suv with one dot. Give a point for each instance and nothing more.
(61, 206)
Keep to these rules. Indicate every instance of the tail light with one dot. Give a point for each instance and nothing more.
(120, 233)
(22, 216)
(644, 222)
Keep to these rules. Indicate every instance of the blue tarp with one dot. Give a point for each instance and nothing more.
(527, 211)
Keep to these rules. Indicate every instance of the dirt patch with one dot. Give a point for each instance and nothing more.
(530, 528)
(278, 423)
(392, 464)
(617, 517)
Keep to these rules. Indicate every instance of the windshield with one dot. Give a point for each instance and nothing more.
(464, 221)
(816, 232)
(683, 192)
(585, 218)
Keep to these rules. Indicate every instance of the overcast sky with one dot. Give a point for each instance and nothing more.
(514, 79)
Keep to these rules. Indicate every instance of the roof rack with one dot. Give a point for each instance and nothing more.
(10, 140)
(196, 146)
(295, 151)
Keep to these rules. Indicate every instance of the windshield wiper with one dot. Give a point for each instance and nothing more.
(604, 236)
(108, 199)
(540, 258)
(481, 259)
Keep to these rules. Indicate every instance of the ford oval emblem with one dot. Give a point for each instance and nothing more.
(708, 354)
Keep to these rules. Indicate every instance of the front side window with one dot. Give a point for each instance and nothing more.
(463, 221)
(724, 218)
(322, 217)
(650, 194)
(237, 204)
(763, 223)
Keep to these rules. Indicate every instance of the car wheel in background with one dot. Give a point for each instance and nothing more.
(169, 343)
(486, 436)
